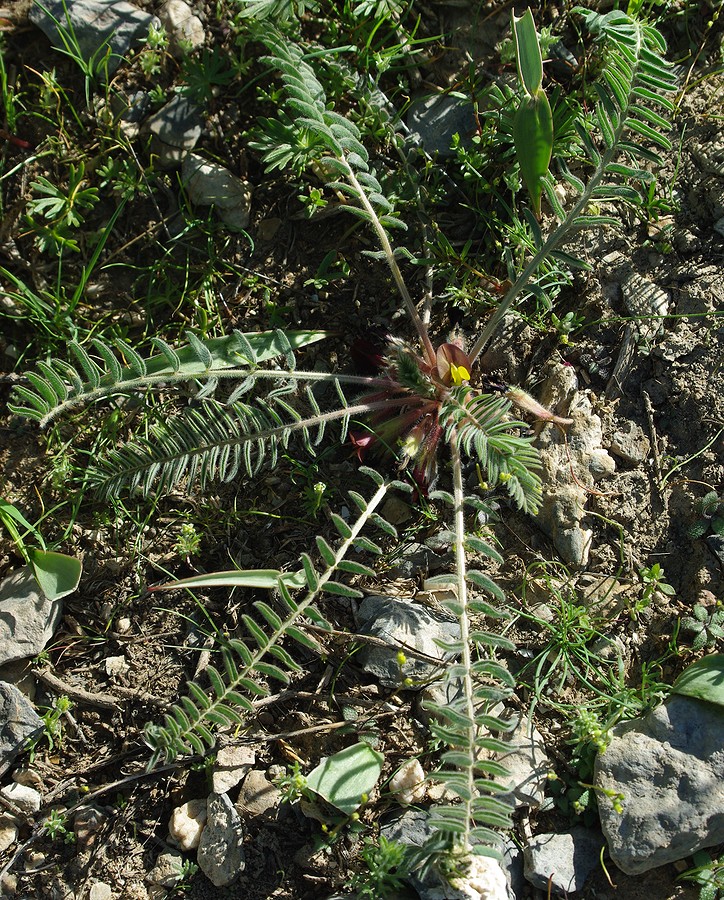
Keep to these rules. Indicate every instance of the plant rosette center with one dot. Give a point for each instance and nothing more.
(408, 425)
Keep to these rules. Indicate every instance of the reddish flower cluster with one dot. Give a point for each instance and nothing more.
(404, 416)
(410, 427)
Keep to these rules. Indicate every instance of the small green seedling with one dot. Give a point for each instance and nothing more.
(56, 825)
(708, 873)
(711, 516)
(52, 727)
(188, 541)
(652, 583)
(707, 627)
(63, 207)
(56, 573)
(386, 867)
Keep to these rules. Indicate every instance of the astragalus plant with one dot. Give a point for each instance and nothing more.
(429, 408)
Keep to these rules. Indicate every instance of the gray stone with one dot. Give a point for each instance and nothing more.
(27, 618)
(403, 625)
(18, 723)
(176, 129)
(27, 799)
(185, 30)
(630, 444)
(221, 850)
(442, 692)
(412, 828)
(88, 823)
(437, 118)
(396, 511)
(114, 23)
(668, 768)
(416, 560)
(513, 865)
(209, 184)
(232, 763)
(527, 764)
(563, 860)
(258, 796)
(130, 110)
(166, 872)
(644, 298)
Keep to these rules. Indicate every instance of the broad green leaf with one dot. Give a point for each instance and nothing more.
(527, 52)
(346, 778)
(533, 138)
(243, 578)
(57, 574)
(704, 679)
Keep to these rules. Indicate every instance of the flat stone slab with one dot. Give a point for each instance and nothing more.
(562, 860)
(403, 625)
(437, 118)
(221, 849)
(669, 769)
(27, 618)
(18, 723)
(527, 764)
(94, 23)
(176, 128)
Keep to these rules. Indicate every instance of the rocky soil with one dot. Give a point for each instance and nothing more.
(642, 380)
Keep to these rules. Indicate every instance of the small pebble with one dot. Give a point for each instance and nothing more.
(116, 666)
(166, 872)
(408, 783)
(87, 823)
(25, 798)
(100, 891)
(186, 824)
(8, 834)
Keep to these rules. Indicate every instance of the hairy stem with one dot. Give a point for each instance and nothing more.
(466, 661)
(421, 328)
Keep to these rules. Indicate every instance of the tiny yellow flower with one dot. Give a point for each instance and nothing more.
(458, 374)
(401, 659)
(411, 445)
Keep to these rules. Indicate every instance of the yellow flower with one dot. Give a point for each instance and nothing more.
(458, 374)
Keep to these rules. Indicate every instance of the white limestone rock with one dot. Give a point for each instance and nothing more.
(408, 783)
(184, 27)
(186, 824)
(209, 184)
